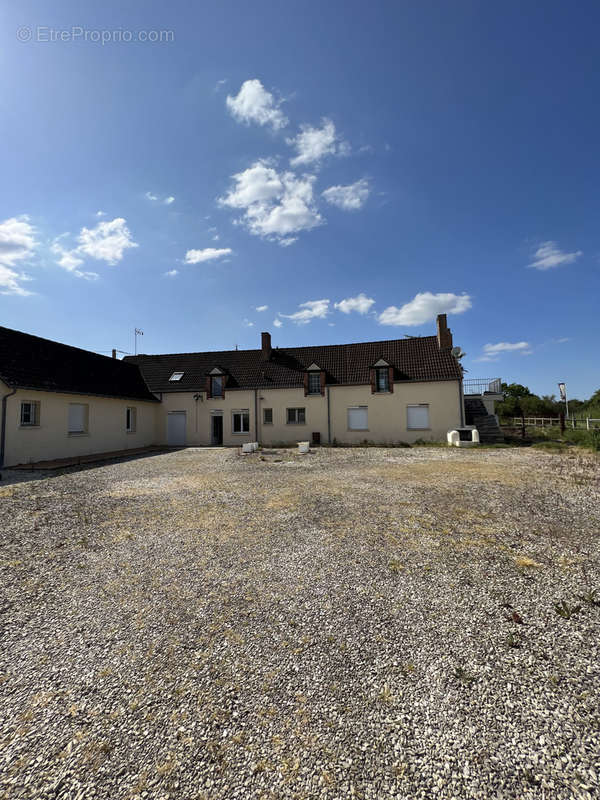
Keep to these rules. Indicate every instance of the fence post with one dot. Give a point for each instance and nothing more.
(587, 423)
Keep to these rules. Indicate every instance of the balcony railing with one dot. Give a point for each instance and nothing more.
(482, 386)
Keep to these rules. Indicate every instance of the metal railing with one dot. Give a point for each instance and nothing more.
(482, 385)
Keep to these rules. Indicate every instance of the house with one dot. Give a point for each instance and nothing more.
(60, 401)
(384, 392)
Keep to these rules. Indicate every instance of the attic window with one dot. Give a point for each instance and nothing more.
(176, 376)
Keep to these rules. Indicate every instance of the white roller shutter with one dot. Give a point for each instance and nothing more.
(418, 417)
(77, 415)
(358, 419)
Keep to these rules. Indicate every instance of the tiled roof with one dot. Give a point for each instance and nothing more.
(29, 362)
(413, 359)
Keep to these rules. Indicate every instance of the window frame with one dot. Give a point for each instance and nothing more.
(131, 419)
(34, 409)
(265, 420)
(382, 371)
(219, 378)
(357, 408)
(242, 413)
(86, 420)
(296, 410)
(176, 376)
(419, 428)
(313, 375)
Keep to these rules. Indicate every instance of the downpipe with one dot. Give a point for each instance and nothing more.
(3, 430)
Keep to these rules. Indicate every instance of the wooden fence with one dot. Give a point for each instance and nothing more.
(582, 423)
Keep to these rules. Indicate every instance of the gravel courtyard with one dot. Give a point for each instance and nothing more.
(368, 623)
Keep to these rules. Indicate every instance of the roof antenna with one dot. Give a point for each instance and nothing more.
(236, 347)
(137, 332)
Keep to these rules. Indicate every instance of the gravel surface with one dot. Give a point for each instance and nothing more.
(369, 623)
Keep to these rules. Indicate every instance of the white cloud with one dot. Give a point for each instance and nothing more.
(171, 273)
(261, 308)
(247, 323)
(254, 103)
(70, 260)
(17, 244)
(361, 304)
(424, 307)
(151, 196)
(313, 144)
(548, 255)
(107, 241)
(156, 199)
(348, 198)
(168, 200)
(100, 213)
(503, 347)
(208, 254)
(312, 309)
(276, 205)
(277, 323)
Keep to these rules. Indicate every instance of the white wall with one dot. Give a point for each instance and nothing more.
(51, 439)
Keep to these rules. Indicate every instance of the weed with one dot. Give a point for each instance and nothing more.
(513, 641)
(395, 566)
(385, 695)
(463, 676)
(524, 562)
(590, 596)
(564, 610)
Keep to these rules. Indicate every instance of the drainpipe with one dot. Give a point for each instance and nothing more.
(328, 419)
(256, 415)
(462, 403)
(3, 430)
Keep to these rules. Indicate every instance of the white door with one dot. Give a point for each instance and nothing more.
(176, 428)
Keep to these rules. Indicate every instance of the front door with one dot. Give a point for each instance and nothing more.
(176, 428)
(216, 436)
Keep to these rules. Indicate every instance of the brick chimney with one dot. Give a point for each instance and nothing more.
(444, 334)
(114, 353)
(266, 345)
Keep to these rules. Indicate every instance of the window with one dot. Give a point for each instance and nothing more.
(314, 383)
(78, 418)
(417, 417)
(30, 414)
(176, 376)
(358, 419)
(296, 416)
(240, 421)
(267, 416)
(216, 386)
(382, 383)
(131, 420)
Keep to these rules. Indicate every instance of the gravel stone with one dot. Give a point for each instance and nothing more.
(366, 622)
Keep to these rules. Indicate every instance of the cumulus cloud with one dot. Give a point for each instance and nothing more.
(107, 241)
(262, 308)
(70, 260)
(17, 245)
(156, 199)
(361, 304)
(276, 205)
(424, 307)
(253, 103)
(314, 144)
(208, 254)
(277, 323)
(168, 200)
(312, 309)
(350, 197)
(548, 255)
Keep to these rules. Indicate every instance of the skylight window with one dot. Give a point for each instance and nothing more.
(176, 376)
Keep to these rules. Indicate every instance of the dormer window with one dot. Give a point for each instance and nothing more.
(314, 383)
(382, 382)
(216, 386)
(176, 376)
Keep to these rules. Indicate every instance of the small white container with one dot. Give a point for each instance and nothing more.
(303, 447)
(248, 447)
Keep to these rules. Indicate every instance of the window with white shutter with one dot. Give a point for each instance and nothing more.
(358, 418)
(78, 418)
(417, 417)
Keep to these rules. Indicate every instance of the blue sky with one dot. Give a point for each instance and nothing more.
(354, 167)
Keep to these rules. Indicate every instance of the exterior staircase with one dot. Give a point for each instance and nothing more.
(486, 424)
